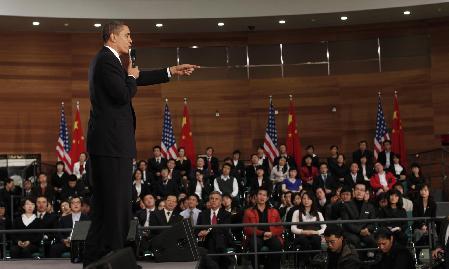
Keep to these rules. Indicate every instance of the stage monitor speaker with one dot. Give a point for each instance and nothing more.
(120, 259)
(78, 240)
(176, 244)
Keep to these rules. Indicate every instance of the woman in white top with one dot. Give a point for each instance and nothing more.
(308, 237)
(397, 169)
(280, 171)
(79, 168)
(25, 244)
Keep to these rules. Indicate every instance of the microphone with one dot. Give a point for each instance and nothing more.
(132, 54)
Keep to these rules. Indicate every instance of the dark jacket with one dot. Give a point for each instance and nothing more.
(349, 211)
(162, 190)
(398, 258)
(218, 239)
(318, 182)
(67, 222)
(346, 259)
(213, 167)
(158, 218)
(357, 155)
(382, 158)
(388, 212)
(112, 120)
(207, 188)
(34, 238)
(349, 182)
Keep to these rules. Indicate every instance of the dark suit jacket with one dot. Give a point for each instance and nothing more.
(154, 167)
(239, 169)
(349, 182)
(290, 160)
(219, 238)
(357, 155)
(34, 238)
(157, 218)
(349, 211)
(66, 222)
(141, 216)
(266, 184)
(214, 168)
(382, 158)
(49, 192)
(112, 119)
(204, 192)
(159, 189)
(330, 183)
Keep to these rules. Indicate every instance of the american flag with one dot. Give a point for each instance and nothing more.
(63, 146)
(168, 143)
(271, 135)
(381, 129)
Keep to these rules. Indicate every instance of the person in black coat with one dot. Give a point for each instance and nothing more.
(354, 176)
(73, 188)
(424, 206)
(261, 181)
(156, 163)
(63, 239)
(363, 151)
(340, 171)
(59, 179)
(237, 165)
(167, 216)
(201, 187)
(442, 245)
(173, 172)
(211, 163)
(216, 240)
(48, 219)
(394, 255)
(324, 180)
(140, 189)
(385, 157)
(25, 244)
(165, 186)
(111, 140)
(394, 210)
(183, 164)
(43, 188)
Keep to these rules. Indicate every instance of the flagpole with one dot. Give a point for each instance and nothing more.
(185, 100)
(271, 99)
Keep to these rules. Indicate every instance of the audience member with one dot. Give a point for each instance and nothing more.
(341, 254)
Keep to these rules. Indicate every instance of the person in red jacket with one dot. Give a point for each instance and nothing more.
(269, 236)
(308, 172)
(382, 181)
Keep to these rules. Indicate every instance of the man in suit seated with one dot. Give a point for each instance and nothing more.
(283, 153)
(358, 209)
(73, 188)
(238, 166)
(211, 162)
(201, 187)
(144, 216)
(165, 186)
(166, 216)
(386, 156)
(269, 236)
(363, 151)
(173, 173)
(325, 180)
(49, 220)
(354, 176)
(63, 239)
(191, 212)
(226, 184)
(156, 163)
(216, 240)
(251, 171)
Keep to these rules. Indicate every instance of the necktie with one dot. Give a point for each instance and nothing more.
(214, 219)
(191, 217)
(168, 216)
(81, 168)
(147, 221)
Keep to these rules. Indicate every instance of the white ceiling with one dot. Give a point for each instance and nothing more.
(191, 9)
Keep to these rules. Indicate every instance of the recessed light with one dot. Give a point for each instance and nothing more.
(97, 25)
(159, 25)
(407, 12)
(343, 18)
(220, 24)
(66, 24)
(36, 23)
(194, 47)
(282, 22)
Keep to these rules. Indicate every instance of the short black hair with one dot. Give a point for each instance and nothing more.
(72, 178)
(227, 195)
(227, 164)
(194, 195)
(383, 233)
(60, 163)
(236, 152)
(259, 167)
(346, 189)
(157, 147)
(310, 147)
(333, 229)
(109, 28)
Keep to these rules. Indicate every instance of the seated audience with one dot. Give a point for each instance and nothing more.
(398, 170)
(200, 186)
(251, 170)
(173, 172)
(43, 188)
(166, 216)
(310, 150)
(363, 151)
(59, 179)
(191, 212)
(279, 171)
(156, 163)
(382, 181)
(48, 220)
(424, 206)
(200, 166)
(139, 189)
(263, 160)
(386, 156)
(183, 164)
(225, 184)
(340, 253)
(394, 210)
(268, 236)
(354, 176)
(261, 180)
(25, 244)
(292, 183)
(211, 163)
(73, 188)
(366, 169)
(414, 180)
(308, 173)
(165, 186)
(407, 204)
(79, 168)
(325, 180)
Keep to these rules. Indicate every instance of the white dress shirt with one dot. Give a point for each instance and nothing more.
(235, 185)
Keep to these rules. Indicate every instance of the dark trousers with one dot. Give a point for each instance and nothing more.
(57, 249)
(111, 206)
(303, 242)
(273, 261)
(19, 252)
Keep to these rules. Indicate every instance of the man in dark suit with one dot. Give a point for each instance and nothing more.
(238, 166)
(325, 180)
(63, 239)
(386, 156)
(165, 186)
(283, 153)
(363, 151)
(111, 141)
(166, 216)
(216, 240)
(211, 162)
(49, 220)
(156, 163)
(173, 172)
(354, 176)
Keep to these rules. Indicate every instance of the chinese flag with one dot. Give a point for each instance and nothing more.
(77, 138)
(397, 140)
(293, 143)
(186, 136)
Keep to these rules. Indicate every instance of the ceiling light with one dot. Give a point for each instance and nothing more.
(66, 24)
(343, 18)
(407, 12)
(159, 25)
(221, 24)
(282, 22)
(97, 25)
(194, 47)
(36, 23)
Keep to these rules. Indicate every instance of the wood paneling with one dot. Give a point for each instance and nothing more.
(38, 71)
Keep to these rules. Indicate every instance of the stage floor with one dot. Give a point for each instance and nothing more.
(49, 264)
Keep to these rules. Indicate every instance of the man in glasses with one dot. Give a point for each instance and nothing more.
(341, 254)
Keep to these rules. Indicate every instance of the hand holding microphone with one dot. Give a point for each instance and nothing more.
(133, 70)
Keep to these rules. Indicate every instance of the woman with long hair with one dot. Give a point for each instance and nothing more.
(308, 237)
(395, 209)
(424, 206)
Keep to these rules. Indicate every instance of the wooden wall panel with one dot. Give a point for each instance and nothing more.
(39, 70)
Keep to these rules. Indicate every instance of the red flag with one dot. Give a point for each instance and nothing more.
(186, 135)
(293, 143)
(397, 139)
(78, 145)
